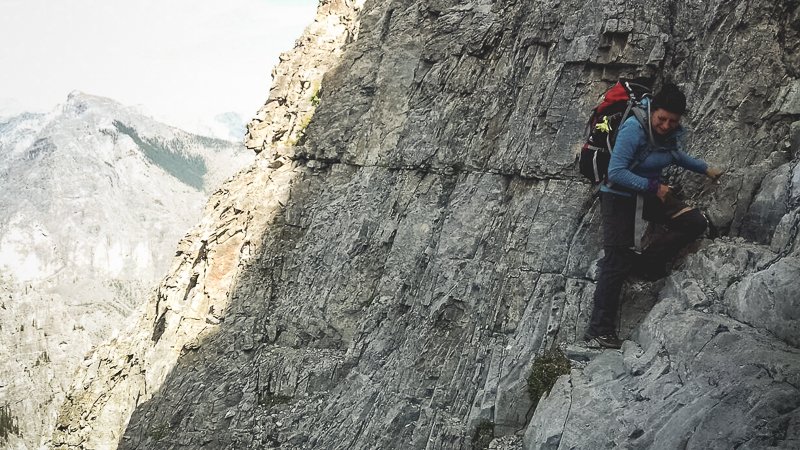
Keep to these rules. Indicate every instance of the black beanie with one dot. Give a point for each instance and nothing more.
(670, 98)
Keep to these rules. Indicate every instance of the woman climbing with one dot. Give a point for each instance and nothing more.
(641, 152)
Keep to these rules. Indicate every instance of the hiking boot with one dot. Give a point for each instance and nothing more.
(610, 340)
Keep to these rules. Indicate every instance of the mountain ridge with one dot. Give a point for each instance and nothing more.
(88, 222)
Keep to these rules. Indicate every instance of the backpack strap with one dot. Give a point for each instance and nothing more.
(638, 224)
(638, 219)
(644, 119)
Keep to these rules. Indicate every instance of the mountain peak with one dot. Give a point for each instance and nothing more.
(93, 198)
(79, 102)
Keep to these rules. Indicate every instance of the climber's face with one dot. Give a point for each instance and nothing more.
(664, 122)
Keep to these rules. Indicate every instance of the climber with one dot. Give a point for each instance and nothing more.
(648, 147)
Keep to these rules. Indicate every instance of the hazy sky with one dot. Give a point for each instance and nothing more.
(176, 58)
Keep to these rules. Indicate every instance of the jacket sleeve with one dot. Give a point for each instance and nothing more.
(630, 139)
(693, 164)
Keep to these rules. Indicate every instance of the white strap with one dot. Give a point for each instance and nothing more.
(597, 178)
(639, 224)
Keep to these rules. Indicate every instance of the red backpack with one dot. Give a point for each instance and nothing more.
(617, 104)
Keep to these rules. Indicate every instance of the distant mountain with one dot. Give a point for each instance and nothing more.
(232, 122)
(93, 200)
(228, 125)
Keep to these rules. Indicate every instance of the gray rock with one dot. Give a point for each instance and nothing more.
(768, 299)
(428, 238)
(698, 374)
(789, 99)
(768, 207)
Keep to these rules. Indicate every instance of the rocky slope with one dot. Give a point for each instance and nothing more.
(391, 268)
(93, 199)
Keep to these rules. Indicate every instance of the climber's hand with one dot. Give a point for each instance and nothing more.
(663, 191)
(714, 173)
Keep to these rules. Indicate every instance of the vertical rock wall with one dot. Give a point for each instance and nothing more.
(386, 274)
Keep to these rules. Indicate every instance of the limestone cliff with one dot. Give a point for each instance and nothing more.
(414, 235)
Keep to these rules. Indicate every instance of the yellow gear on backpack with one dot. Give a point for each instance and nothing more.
(603, 126)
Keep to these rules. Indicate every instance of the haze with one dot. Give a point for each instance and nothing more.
(180, 61)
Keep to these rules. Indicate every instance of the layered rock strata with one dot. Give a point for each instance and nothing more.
(388, 280)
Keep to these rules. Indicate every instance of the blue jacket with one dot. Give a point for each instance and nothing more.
(632, 139)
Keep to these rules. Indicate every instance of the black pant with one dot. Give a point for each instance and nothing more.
(618, 235)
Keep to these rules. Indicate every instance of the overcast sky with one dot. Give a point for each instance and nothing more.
(177, 59)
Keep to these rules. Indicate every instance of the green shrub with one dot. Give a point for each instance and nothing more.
(483, 435)
(268, 399)
(301, 127)
(300, 130)
(546, 370)
(8, 423)
(159, 432)
(43, 358)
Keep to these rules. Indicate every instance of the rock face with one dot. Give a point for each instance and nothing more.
(388, 271)
(93, 199)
